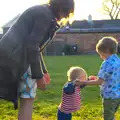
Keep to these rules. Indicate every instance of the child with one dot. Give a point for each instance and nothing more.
(108, 76)
(71, 94)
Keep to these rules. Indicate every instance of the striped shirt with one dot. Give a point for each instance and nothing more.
(70, 102)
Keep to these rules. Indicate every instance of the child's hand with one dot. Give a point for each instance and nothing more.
(47, 78)
(92, 77)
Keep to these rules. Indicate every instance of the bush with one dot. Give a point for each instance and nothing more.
(70, 49)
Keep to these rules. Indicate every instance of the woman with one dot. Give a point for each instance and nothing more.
(21, 46)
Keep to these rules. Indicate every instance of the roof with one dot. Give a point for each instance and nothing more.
(10, 23)
(96, 26)
(91, 30)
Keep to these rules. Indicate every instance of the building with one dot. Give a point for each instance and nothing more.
(1, 32)
(86, 34)
(81, 36)
(9, 24)
(1, 36)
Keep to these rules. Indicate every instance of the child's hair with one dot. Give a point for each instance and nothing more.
(107, 45)
(75, 72)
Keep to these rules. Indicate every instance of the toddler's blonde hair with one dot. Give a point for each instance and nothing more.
(75, 72)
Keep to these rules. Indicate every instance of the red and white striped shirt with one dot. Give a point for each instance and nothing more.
(70, 102)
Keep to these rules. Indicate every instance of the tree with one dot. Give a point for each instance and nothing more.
(112, 8)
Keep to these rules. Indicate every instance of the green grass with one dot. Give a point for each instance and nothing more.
(46, 103)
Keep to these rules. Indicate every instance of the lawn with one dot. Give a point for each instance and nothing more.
(46, 103)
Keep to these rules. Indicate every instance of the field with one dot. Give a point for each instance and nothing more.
(46, 103)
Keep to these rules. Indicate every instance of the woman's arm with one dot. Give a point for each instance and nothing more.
(34, 61)
(41, 25)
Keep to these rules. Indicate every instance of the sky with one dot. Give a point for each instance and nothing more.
(10, 8)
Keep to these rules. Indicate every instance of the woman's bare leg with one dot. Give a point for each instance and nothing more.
(25, 110)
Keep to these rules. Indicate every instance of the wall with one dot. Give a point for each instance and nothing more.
(86, 41)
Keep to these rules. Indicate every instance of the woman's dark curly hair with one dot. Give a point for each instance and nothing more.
(62, 8)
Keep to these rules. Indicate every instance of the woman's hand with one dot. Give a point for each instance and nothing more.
(41, 84)
(47, 78)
